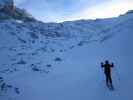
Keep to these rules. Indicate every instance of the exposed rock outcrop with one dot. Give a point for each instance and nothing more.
(9, 11)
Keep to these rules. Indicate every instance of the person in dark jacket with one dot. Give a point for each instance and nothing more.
(107, 71)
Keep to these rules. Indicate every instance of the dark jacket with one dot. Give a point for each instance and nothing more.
(107, 68)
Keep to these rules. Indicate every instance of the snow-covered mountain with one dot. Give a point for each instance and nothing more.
(61, 61)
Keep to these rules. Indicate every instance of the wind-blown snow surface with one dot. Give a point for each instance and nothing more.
(61, 61)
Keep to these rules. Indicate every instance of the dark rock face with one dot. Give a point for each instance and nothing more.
(9, 11)
(7, 4)
(6, 8)
(130, 12)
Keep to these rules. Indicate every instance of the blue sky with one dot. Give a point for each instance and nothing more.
(64, 10)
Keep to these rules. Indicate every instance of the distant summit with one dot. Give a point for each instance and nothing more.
(9, 11)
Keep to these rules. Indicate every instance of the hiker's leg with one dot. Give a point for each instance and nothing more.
(107, 79)
(110, 79)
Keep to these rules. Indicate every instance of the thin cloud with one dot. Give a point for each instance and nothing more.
(105, 10)
(64, 10)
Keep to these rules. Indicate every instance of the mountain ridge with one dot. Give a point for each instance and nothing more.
(60, 60)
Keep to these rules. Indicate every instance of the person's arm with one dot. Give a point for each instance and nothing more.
(102, 65)
(112, 65)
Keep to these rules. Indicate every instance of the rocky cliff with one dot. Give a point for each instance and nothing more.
(9, 11)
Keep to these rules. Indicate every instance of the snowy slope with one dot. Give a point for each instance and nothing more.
(61, 61)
